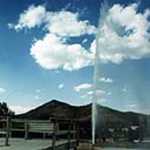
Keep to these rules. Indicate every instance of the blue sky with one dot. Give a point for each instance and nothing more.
(47, 52)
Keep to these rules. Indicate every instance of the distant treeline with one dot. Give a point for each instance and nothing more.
(4, 110)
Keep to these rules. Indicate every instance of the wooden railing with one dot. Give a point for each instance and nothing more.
(8, 125)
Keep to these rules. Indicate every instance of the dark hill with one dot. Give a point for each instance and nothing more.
(106, 116)
(58, 109)
(62, 110)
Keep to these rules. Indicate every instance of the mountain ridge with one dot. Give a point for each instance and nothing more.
(106, 118)
(56, 108)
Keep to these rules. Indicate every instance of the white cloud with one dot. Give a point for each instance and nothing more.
(52, 53)
(85, 41)
(37, 90)
(61, 86)
(136, 107)
(85, 97)
(37, 97)
(109, 93)
(2, 90)
(124, 34)
(90, 93)
(132, 106)
(99, 93)
(87, 92)
(18, 109)
(106, 80)
(102, 100)
(33, 16)
(63, 23)
(82, 87)
(124, 89)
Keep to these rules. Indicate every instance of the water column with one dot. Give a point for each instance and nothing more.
(103, 13)
(94, 103)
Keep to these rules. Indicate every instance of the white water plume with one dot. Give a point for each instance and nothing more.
(103, 13)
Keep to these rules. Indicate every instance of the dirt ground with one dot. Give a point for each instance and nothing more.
(22, 144)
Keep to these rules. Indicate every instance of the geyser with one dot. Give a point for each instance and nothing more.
(103, 13)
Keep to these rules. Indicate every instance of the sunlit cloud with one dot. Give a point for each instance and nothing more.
(35, 16)
(52, 53)
(82, 87)
(37, 97)
(124, 89)
(2, 90)
(109, 93)
(30, 18)
(72, 26)
(37, 90)
(18, 109)
(124, 34)
(106, 80)
(87, 91)
(61, 86)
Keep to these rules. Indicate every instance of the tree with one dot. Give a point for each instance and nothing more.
(4, 110)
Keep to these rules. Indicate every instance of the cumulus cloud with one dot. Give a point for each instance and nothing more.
(37, 97)
(99, 92)
(2, 90)
(63, 23)
(33, 16)
(98, 95)
(61, 86)
(109, 93)
(132, 106)
(87, 92)
(18, 109)
(106, 80)
(82, 87)
(85, 41)
(123, 34)
(90, 93)
(52, 53)
(124, 89)
(38, 91)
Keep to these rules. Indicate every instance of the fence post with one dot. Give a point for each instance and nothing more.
(75, 136)
(74, 131)
(69, 136)
(54, 136)
(10, 126)
(26, 129)
(44, 135)
(7, 131)
(78, 133)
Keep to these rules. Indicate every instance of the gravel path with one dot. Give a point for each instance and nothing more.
(21, 144)
(38, 144)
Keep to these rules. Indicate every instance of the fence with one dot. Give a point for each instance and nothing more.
(50, 127)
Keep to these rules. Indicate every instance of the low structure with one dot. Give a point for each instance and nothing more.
(53, 127)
